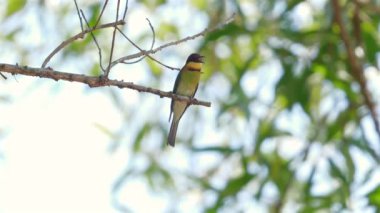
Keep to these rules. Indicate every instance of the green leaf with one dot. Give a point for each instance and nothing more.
(14, 6)
(153, 4)
(337, 172)
(228, 30)
(308, 186)
(349, 162)
(292, 4)
(104, 129)
(165, 30)
(218, 149)
(157, 177)
(95, 70)
(362, 143)
(374, 197)
(200, 4)
(115, 137)
(95, 12)
(155, 68)
(231, 189)
(140, 135)
(294, 87)
(371, 41)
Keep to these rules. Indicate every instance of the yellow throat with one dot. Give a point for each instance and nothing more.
(195, 66)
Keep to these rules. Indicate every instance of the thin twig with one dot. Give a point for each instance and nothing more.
(2, 75)
(80, 17)
(153, 33)
(145, 55)
(96, 42)
(125, 10)
(356, 68)
(202, 33)
(93, 81)
(132, 62)
(113, 41)
(101, 13)
(76, 37)
(134, 44)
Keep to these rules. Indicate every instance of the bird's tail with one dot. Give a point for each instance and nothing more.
(172, 133)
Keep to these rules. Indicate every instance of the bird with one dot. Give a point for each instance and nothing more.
(186, 84)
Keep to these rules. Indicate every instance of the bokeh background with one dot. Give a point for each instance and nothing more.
(288, 130)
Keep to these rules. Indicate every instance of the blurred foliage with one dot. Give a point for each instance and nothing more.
(374, 197)
(14, 6)
(92, 17)
(290, 127)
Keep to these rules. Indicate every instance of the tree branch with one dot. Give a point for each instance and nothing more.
(356, 68)
(93, 81)
(107, 71)
(202, 33)
(3, 76)
(79, 16)
(79, 36)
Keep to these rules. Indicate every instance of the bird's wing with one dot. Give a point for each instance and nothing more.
(195, 91)
(176, 83)
(192, 96)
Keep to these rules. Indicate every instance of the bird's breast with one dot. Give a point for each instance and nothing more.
(189, 83)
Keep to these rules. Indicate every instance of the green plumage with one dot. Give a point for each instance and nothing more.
(186, 84)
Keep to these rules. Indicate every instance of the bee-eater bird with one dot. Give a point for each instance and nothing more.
(186, 84)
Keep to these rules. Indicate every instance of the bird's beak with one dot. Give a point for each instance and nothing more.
(201, 59)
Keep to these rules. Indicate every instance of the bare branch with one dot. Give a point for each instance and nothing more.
(113, 41)
(101, 13)
(93, 81)
(80, 17)
(145, 55)
(125, 9)
(153, 33)
(96, 42)
(76, 37)
(356, 67)
(2, 75)
(202, 33)
(134, 44)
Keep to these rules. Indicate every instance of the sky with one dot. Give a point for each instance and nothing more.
(53, 156)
